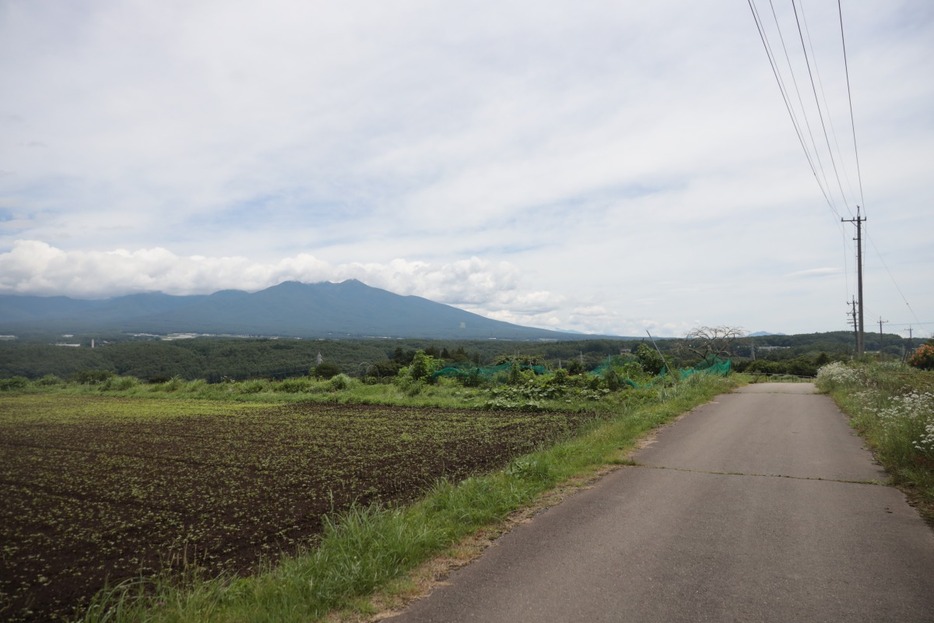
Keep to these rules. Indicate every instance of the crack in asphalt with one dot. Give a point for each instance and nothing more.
(877, 483)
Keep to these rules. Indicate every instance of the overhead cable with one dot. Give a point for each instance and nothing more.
(788, 107)
(849, 96)
(820, 112)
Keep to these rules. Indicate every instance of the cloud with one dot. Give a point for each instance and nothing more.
(608, 166)
(34, 267)
(815, 273)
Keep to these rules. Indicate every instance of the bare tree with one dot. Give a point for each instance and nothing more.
(710, 342)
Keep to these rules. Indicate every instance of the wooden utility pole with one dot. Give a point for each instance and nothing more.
(860, 335)
(881, 322)
(854, 320)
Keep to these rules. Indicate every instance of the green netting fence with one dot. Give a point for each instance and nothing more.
(714, 365)
(485, 372)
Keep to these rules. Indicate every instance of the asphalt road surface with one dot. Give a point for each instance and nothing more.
(760, 506)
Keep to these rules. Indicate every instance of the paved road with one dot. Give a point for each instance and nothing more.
(760, 506)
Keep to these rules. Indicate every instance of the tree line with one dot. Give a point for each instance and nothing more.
(218, 359)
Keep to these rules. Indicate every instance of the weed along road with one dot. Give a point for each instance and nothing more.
(762, 505)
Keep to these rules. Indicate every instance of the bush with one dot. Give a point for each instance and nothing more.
(325, 370)
(340, 382)
(651, 362)
(174, 384)
(836, 375)
(923, 358)
(892, 406)
(423, 367)
(92, 377)
(119, 383)
(472, 378)
(253, 387)
(294, 386)
(559, 378)
(14, 383)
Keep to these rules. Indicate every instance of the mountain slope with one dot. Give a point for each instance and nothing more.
(348, 309)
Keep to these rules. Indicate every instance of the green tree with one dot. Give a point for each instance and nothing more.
(651, 362)
(611, 379)
(325, 370)
(423, 366)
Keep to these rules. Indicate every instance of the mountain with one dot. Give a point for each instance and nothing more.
(290, 309)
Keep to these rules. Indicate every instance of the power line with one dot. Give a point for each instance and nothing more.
(892, 277)
(833, 131)
(912, 324)
(802, 124)
(820, 112)
(788, 107)
(849, 97)
(807, 123)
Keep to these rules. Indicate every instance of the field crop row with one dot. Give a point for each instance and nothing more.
(100, 489)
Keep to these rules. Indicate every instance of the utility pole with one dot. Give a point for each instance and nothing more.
(860, 339)
(881, 322)
(853, 320)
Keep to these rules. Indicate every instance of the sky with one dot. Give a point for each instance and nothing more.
(609, 167)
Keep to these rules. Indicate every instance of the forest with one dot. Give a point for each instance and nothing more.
(214, 359)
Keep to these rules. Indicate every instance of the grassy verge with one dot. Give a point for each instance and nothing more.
(580, 394)
(891, 405)
(367, 548)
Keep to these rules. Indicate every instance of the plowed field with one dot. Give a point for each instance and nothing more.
(96, 489)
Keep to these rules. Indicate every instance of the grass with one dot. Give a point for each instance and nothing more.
(892, 406)
(576, 395)
(372, 548)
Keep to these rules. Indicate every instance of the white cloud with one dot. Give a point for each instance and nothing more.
(534, 161)
(33, 267)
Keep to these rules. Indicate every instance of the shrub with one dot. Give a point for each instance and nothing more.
(892, 405)
(340, 382)
(651, 362)
(559, 378)
(92, 377)
(173, 384)
(472, 378)
(294, 386)
(253, 387)
(325, 370)
(119, 383)
(835, 375)
(423, 366)
(923, 357)
(14, 383)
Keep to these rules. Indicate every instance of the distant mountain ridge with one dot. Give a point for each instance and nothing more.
(290, 309)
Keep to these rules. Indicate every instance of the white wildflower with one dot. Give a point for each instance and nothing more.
(835, 375)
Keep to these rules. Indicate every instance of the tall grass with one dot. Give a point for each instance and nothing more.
(892, 406)
(366, 548)
(577, 394)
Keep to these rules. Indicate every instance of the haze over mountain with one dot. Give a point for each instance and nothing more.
(290, 309)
